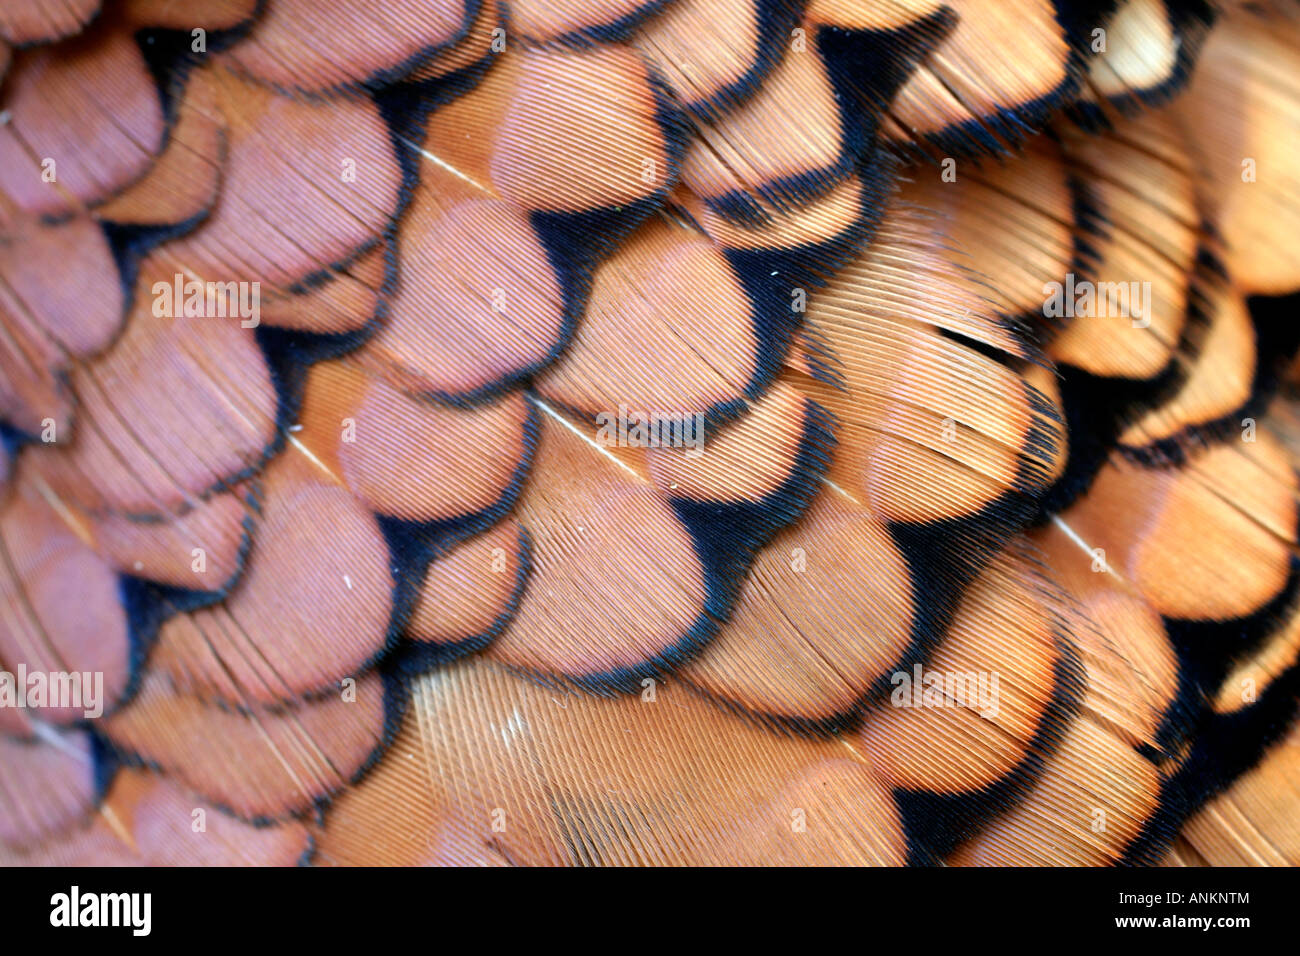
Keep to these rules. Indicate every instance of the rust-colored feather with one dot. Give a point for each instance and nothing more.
(627, 432)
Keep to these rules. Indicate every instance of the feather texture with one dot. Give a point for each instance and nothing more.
(679, 433)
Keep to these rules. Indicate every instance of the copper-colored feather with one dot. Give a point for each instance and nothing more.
(649, 432)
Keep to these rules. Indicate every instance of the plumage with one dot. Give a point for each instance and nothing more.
(688, 432)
